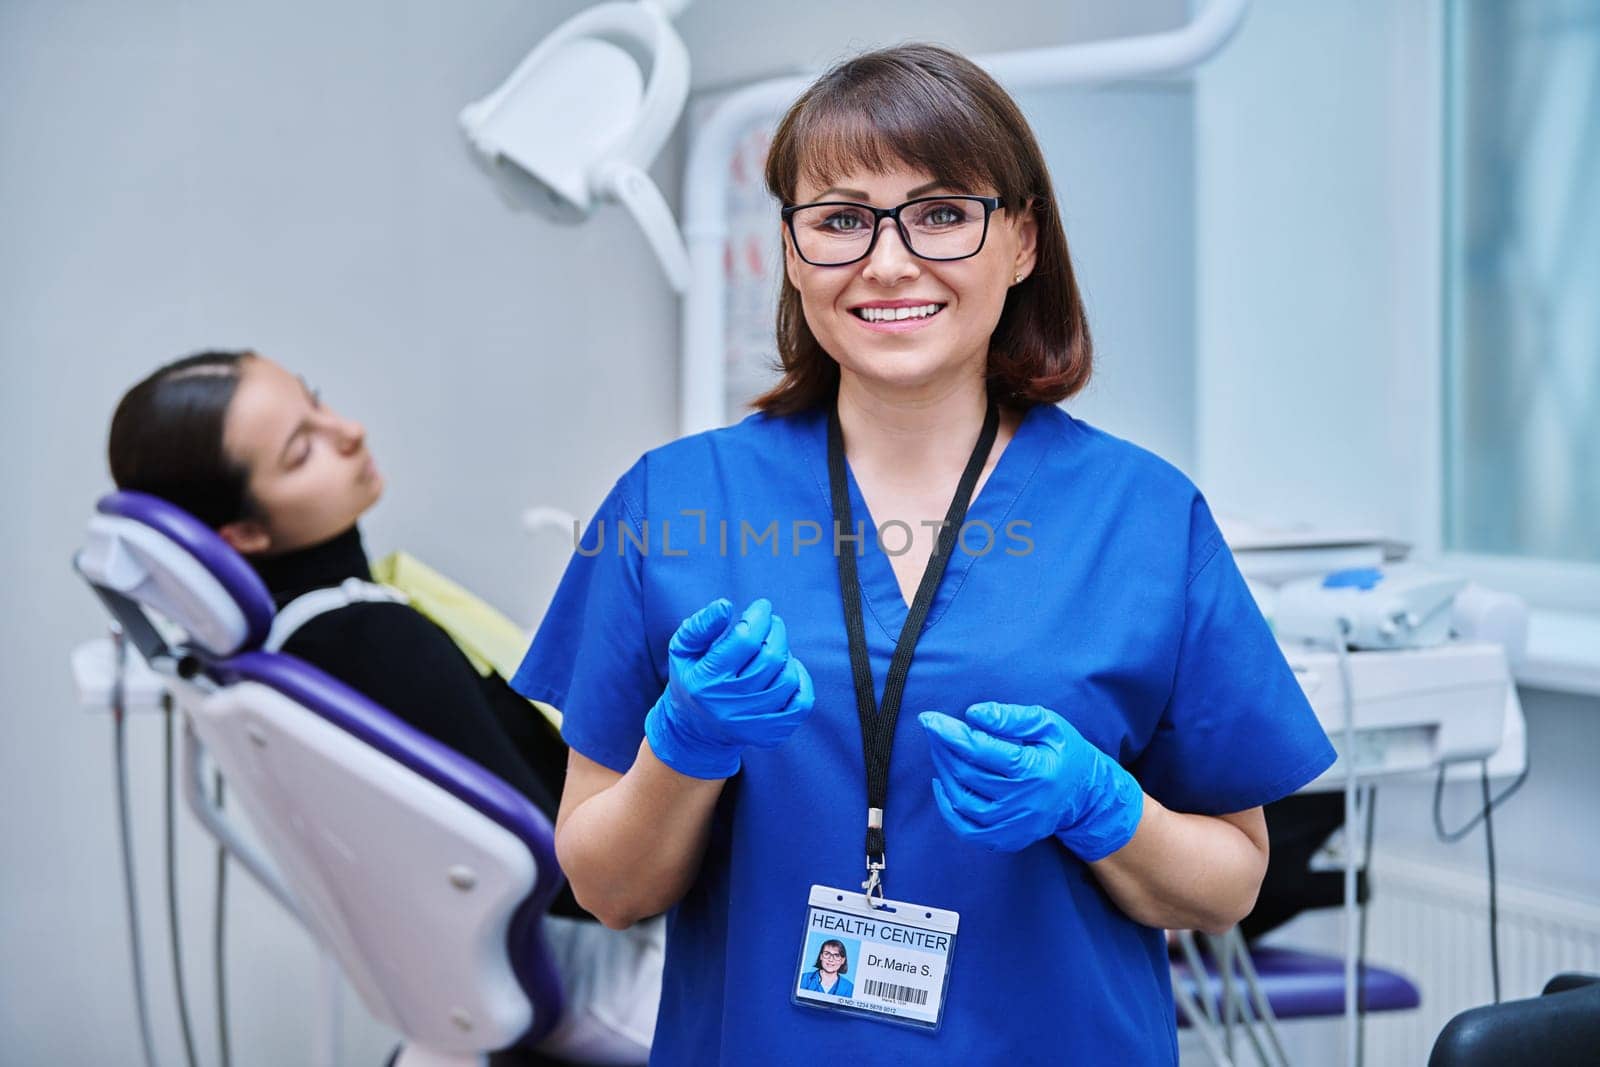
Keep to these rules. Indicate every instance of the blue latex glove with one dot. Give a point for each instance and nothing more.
(1013, 774)
(731, 685)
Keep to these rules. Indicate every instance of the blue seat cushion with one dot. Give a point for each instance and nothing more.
(1302, 985)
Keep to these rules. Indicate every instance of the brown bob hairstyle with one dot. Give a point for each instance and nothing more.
(934, 111)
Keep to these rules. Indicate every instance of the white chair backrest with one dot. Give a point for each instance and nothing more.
(410, 887)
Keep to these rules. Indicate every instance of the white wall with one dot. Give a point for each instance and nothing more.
(1122, 160)
(733, 43)
(289, 177)
(1316, 214)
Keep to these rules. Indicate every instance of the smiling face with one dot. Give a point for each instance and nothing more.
(879, 128)
(898, 324)
(310, 474)
(831, 958)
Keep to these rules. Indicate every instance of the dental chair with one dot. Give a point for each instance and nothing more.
(423, 875)
(1558, 1028)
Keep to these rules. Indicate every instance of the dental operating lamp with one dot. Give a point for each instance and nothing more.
(584, 114)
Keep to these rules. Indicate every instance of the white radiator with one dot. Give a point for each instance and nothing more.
(1431, 923)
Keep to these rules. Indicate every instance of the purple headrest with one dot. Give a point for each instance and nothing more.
(238, 581)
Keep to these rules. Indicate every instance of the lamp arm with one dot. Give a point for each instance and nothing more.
(632, 188)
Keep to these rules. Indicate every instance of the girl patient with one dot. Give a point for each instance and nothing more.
(250, 450)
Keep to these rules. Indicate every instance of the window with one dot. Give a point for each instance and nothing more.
(1522, 289)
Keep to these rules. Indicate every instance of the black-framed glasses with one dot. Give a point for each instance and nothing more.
(834, 233)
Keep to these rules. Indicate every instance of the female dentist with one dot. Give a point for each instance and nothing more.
(1100, 709)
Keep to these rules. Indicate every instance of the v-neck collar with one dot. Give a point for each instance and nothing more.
(992, 505)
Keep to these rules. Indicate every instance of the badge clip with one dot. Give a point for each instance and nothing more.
(873, 886)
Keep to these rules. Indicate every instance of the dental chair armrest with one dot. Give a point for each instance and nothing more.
(1554, 1030)
(1568, 980)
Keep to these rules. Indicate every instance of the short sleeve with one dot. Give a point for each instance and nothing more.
(1237, 731)
(590, 657)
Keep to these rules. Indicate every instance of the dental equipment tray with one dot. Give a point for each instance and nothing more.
(1414, 709)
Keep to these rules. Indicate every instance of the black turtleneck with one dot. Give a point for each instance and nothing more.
(305, 569)
(400, 660)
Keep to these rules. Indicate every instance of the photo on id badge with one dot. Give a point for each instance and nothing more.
(829, 965)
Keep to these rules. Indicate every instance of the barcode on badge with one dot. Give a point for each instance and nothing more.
(904, 994)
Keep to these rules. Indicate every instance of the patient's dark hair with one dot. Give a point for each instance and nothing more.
(166, 438)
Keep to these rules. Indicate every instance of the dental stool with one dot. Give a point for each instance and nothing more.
(423, 875)
(1252, 988)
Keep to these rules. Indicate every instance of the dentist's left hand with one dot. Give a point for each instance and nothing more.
(1013, 774)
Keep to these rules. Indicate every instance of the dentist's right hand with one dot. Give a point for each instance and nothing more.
(731, 685)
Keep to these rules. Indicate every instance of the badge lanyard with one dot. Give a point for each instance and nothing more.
(878, 725)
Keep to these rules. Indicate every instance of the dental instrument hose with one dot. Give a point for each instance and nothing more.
(1361, 951)
(1452, 836)
(1488, 837)
(120, 759)
(1485, 816)
(1351, 948)
(172, 891)
(219, 939)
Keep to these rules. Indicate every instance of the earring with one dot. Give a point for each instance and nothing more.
(1017, 280)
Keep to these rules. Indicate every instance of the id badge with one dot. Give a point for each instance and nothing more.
(891, 962)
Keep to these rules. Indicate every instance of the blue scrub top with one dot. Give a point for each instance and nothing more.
(1106, 593)
(842, 986)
